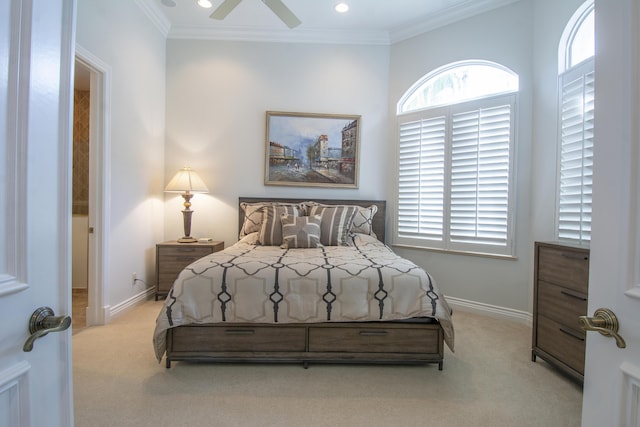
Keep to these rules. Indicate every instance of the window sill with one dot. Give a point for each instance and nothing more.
(455, 252)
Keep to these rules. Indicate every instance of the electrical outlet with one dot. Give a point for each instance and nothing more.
(134, 278)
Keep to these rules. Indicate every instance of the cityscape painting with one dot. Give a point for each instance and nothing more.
(307, 149)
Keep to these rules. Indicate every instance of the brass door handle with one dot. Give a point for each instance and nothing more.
(605, 322)
(43, 321)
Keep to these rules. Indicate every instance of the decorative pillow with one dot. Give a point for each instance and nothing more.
(335, 223)
(271, 229)
(363, 220)
(253, 216)
(300, 232)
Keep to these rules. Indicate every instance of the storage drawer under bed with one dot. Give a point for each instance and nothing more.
(238, 338)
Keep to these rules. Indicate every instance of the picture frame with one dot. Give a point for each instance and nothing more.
(312, 149)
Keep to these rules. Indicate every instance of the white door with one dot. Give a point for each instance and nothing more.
(36, 57)
(612, 374)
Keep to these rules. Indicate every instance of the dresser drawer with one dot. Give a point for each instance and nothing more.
(564, 343)
(564, 266)
(373, 339)
(172, 256)
(561, 304)
(239, 338)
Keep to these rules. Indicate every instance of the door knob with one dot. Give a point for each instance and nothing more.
(605, 322)
(43, 321)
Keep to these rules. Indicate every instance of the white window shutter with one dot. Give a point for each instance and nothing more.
(576, 154)
(480, 169)
(421, 178)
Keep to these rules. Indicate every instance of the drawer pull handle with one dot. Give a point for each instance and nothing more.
(185, 250)
(239, 331)
(573, 295)
(571, 255)
(373, 333)
(572, 334)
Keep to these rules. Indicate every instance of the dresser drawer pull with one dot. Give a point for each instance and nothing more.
(572, 255)
(571, 334)
(186, 250)
(373, 333)
(239, 331)
(573, 295)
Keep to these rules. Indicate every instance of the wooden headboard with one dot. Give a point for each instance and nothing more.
(378, 220)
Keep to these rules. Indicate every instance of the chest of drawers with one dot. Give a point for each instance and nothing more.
(561, 285)
(172, 257)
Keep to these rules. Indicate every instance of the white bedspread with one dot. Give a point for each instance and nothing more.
(266, 284)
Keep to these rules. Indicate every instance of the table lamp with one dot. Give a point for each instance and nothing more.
(187, 182)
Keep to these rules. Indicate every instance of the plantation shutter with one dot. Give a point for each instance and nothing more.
(480, 175)
(421, 178)
(454, 176)
(576, 153)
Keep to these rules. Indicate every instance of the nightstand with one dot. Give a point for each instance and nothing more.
(172, 257)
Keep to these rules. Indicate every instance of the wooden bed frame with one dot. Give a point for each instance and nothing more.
(412, 341)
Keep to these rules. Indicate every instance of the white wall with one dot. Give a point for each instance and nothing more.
(121, 36)
(504, 36)
(218, 93)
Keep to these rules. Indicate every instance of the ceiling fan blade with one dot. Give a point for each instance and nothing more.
(224, 9)
(283, 12)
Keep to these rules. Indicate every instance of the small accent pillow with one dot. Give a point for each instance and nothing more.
(300, 232)
(271, 229)
(252, 218)
(363, 220)
(334, 224)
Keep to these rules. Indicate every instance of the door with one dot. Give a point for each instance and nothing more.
(36, 57)
(612, 374)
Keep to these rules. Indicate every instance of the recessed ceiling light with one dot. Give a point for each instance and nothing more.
(342, 7)
(168, 3)
(205, 3)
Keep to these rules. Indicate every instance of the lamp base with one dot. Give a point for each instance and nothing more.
(187, 240)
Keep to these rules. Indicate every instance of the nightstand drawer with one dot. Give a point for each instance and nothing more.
(173, 257)
(567, 267)
(561, 304)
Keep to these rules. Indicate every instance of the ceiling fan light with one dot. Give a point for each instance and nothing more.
(205, 3)
(342, 7)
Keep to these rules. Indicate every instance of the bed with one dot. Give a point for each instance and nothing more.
(310, 282)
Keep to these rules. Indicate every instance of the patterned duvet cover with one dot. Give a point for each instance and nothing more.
(249, 283)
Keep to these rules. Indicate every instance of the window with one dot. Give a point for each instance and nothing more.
(575, 158)
(456, 138)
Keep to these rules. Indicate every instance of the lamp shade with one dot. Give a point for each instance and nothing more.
(186, 180)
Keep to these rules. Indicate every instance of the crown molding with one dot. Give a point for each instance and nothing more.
(155, 15)
(447, 16)
(281, 36)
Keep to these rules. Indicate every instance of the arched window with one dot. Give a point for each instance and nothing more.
(457, 82)
(455, 144)
(576, 80)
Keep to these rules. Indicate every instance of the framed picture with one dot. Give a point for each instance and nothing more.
(312, 150)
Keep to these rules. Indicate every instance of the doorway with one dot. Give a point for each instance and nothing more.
(80, 195)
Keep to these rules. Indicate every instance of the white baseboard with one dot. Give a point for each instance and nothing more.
(126, 305)
(490, 310)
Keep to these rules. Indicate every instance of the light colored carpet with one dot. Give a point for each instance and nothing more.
(489, 381)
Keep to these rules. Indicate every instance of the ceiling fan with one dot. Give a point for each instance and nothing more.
(277, 6)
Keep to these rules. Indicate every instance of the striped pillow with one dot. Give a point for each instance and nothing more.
(300, 232)
(271, 230)
(334, 224)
